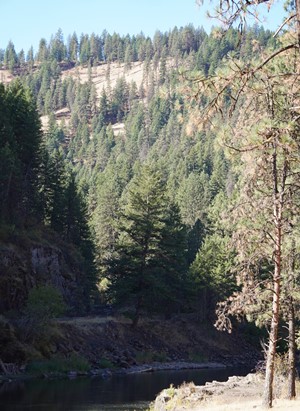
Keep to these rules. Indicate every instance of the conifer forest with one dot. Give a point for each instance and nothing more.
(154, 177)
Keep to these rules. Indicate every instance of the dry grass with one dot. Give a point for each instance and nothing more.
(237, 394)
(249, 397)
(5, 76)
(249, 405)
(104, 75)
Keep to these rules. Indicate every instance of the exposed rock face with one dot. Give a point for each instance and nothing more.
(15, 280)
(50, 266)
(25, 266)
(46, 262)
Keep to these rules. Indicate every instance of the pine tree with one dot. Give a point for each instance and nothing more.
(148, 264)
(78, 232)
(273, 187)
(57, 204)
(211, 273)
(20, 137)
(57, 47)
(73, 47)
(43, 52)
(10, 57)
(269, 193)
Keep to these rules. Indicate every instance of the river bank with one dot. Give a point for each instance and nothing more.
(236, 394)
(109, 372)
(173, 366)
(103, 345)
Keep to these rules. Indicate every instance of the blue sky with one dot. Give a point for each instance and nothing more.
(25, 22)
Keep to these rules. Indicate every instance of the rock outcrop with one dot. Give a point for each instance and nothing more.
(24, 265)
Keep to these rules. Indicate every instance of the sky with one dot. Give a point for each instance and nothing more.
(25, 22)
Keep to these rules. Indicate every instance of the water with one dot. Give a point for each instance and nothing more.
(119, 393)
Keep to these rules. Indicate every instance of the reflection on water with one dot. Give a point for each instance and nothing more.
(119, 393)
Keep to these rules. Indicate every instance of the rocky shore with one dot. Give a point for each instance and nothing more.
(236, 394)
(183, 365)
(109, 344)
(13, 372)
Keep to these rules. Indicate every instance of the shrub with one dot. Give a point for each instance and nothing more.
(105, 363)
(44, 303)
(59, 365)
(197, 357)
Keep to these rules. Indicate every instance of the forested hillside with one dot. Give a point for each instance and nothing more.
(119, 184)
(156, 179)
(124, 168)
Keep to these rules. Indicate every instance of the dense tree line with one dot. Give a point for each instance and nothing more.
(94, 49)
(41, 71)
(159, 147)
(164, 193)
(36, 188)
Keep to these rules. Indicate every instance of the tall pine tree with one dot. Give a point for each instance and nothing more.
(150, 260)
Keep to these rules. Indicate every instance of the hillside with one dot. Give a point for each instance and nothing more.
(116, 110)
(105, 77)
(111, 342)
(106, 74)
(132, 187)
(99, 77)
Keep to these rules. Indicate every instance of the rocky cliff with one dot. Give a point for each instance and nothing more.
(26, 263)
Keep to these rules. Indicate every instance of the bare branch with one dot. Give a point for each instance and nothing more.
(284, 23)
(276, 53)
(242, 150)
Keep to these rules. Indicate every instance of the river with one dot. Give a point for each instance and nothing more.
(118, 393)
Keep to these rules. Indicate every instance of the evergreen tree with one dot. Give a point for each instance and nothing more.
(21, 58)
(30, 57)
(211, 274)
(84, 49)
(57, 47)
(148, 264)
(119, 103)
(20, 138)
(43, 52)
(78, 232)
(10, 57)
(73, 47)
(57, 204)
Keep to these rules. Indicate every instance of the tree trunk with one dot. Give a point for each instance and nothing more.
(291, 324)
(269, 377)
(137, 312)
(297, 2)
(277, 213)
(292, 353)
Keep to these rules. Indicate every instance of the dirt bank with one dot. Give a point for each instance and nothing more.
(111, 342)
(181, 338)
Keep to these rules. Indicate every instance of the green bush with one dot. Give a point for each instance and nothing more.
(197, 357)
(105, 363)
(44, 303)
(59, 365)
(160, 356)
